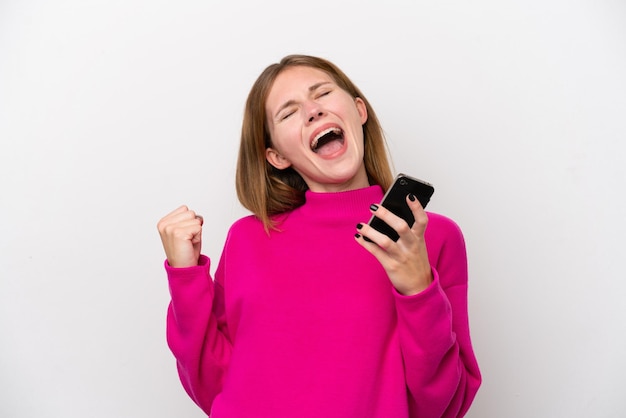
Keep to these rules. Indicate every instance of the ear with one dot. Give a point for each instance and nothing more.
(362, 109)
(274, 158)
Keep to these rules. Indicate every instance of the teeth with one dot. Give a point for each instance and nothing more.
(321, 134)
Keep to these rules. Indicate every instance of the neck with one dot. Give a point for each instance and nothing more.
(358, 181)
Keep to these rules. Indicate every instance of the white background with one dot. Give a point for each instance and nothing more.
(113, 113)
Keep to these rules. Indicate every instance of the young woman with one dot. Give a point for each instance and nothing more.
(304, 317)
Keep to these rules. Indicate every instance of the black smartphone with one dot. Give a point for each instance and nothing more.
(395, 201)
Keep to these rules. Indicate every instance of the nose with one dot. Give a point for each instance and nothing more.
(315, 116)
(313, 110)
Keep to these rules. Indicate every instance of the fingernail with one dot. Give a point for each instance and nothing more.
(411, 197)
(357, 236)
(359, 226)
(373, 207)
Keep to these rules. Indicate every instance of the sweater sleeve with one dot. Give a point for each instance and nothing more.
(196, 331)
(442, 374)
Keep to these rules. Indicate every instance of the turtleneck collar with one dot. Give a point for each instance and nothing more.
(348, 202)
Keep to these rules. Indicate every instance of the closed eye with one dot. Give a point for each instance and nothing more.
(286, 115)
(324, 93)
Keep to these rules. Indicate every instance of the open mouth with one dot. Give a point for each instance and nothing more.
(327, 141)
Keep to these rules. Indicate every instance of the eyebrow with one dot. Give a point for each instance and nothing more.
(288, 103)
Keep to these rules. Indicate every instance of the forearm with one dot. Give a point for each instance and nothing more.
(201, 350)
(441, 373)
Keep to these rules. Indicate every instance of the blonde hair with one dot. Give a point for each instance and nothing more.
(267, 191)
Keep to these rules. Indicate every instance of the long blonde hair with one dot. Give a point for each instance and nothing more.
(267, 191)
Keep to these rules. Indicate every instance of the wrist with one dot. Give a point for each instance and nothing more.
(417, 286)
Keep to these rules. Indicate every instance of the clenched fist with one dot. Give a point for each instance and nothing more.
(181, 235)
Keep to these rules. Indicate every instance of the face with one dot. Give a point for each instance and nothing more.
(317, 128)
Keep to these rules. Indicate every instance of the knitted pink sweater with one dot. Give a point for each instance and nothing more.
(305, 323)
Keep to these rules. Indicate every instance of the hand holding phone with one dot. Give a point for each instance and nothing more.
(395, 201)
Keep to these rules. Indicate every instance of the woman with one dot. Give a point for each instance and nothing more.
(304, 317)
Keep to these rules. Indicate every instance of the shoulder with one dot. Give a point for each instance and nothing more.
(440, 226)
(242, 237)
(446, 250)
(246, 223)
(443, 234)
(249, 226)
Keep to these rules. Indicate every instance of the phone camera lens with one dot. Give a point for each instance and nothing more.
(403, 182)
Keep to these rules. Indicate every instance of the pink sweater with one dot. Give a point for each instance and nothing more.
(305, 323)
